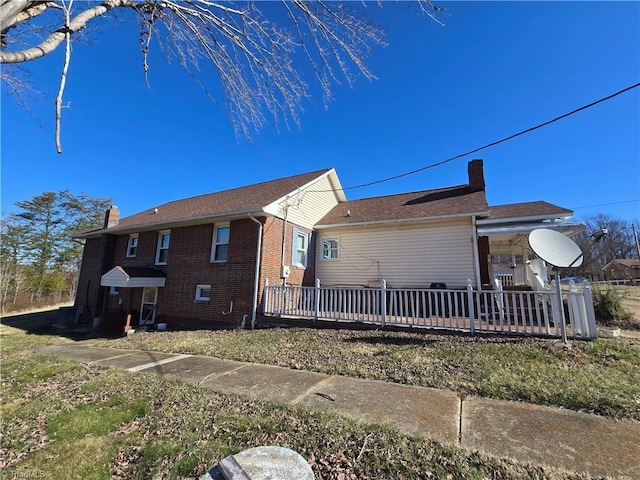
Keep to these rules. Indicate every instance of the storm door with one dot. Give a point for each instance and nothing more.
(148, 307)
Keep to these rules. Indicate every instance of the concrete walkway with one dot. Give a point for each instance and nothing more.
(575, 441)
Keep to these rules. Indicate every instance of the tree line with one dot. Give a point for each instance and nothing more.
(40, 258)
(618, 243)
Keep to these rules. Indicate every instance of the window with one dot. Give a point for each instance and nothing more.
(330, 249)
(203, 293)
(162, 252)
(300, 248)
(132, 245)
(220, 247)
(113, 291)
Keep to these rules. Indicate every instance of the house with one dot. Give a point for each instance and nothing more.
(203, 261)
(627, 269)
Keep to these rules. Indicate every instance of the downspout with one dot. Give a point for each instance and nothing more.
(254, 307)
(284, 239)
(476, 254)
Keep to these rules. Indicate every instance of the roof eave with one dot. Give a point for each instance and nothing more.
(402, 220)
(183, 222)
(527, 218)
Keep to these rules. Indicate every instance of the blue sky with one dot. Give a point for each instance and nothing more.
(493, 69)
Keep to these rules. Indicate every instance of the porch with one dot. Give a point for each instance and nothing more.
(525, 312)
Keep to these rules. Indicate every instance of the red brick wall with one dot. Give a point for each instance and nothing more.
(89, 278)
(189, 264)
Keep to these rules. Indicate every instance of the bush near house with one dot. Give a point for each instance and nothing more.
(610, 308)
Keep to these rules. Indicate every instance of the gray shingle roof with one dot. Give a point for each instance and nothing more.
(528, 209)
(455, 201)
(251, 198)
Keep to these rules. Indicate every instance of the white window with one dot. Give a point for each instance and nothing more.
(132, 245)
(162, 252)
(330, 249)
(220, 247)
(300, 248)
(203, 293)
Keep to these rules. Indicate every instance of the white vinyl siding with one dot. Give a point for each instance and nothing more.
(311, 204)
(404, 255)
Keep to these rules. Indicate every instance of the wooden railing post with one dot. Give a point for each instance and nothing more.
(590, 321)
(472, 315)
(265, 303)
(316, 300)
(383, 300)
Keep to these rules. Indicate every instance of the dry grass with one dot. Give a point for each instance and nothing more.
(65, 420)
(601, 376)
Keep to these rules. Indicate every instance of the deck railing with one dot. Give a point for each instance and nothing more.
(508, 311)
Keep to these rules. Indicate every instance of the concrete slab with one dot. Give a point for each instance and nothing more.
(575, 441)
(85, 353)
(135, 359)
(262, 381)
(196, 369)
(416, 411)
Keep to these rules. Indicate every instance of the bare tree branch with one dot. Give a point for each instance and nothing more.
(54, 40)
(63, 77)
(254, 57)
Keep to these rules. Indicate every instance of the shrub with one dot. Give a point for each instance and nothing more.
(609, 310)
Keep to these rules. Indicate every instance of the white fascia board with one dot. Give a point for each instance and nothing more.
(398, 221)
(526, 228)
(525, 219)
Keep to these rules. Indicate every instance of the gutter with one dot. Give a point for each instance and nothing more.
(254, 306)
(402, 220)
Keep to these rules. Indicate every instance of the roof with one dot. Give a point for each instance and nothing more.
(130, 277)
(242, 200)
(448, 202)
(627, 262)
(528, 210)
(507, 221)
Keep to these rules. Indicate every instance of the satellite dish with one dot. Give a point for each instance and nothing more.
(555, 248)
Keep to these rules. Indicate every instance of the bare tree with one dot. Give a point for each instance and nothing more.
(619, 243)
(253, 55)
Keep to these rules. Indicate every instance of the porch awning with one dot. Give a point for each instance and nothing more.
(566, 228)
(132, 277)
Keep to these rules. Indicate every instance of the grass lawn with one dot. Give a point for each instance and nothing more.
(63, 420)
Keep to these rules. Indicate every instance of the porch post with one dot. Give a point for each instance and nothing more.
(472, 315)
(592, 331)
(317, 300)
(383, 300)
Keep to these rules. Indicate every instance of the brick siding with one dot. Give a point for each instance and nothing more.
(188, 265)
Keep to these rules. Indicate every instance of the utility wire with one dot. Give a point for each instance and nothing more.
(607, 204)
(492, 144)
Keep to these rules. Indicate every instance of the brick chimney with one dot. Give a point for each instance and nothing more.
(111, 217)
(476, 174)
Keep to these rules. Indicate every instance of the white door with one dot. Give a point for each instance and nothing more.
(148, 307)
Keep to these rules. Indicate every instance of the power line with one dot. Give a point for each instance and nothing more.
(492, 144)
(606, 204)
